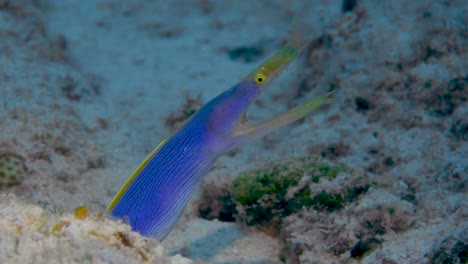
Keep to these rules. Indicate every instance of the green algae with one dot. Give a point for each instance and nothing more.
(12, 169)
(263, 193)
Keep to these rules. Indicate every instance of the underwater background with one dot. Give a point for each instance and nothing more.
(89, 88)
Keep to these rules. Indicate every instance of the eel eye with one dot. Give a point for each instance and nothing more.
(260, 78)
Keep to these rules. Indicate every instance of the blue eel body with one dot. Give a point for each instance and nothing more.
(154, 197)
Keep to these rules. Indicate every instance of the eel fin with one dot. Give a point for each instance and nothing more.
(124, 188)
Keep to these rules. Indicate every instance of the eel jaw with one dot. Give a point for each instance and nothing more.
(245, 131)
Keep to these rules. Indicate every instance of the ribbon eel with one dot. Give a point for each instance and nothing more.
(155, 195)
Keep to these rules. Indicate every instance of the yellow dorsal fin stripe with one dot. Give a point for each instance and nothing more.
(134, 174)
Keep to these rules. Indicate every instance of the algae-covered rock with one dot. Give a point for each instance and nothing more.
(12, 169)
(306, 200)
(453, 249)
(267, 195)
(284, 188)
